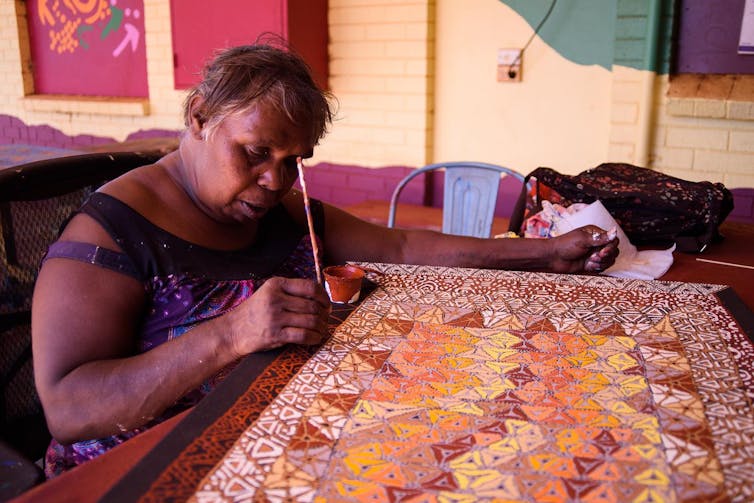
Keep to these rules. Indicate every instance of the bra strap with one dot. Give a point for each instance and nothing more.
(92, 254)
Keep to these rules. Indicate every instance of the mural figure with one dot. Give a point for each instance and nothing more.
(70, 20)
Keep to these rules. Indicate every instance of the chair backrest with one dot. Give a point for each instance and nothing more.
(35, 200)
(469, 197)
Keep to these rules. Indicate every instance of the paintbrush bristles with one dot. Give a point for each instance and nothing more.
(307, 208)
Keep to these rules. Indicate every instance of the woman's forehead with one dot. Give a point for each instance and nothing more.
(265, 123)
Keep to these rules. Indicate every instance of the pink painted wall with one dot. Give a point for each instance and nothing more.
(198, 31)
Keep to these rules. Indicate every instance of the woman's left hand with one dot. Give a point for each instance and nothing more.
(586, 249)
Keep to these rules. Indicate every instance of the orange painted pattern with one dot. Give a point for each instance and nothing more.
(465, 385)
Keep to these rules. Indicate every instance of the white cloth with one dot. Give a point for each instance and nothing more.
(631, 263)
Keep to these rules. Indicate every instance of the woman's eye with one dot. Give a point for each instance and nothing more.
(257, 154)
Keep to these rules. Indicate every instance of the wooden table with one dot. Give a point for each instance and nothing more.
(91, 481)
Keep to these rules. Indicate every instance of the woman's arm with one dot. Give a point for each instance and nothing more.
(350, 238)
(85, 321)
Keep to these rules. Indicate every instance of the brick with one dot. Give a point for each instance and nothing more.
(626, 92)
(724, 162)
(632, 8)
(699, 138)
(628, 27)
(357, 15)
(350, 133)
(695, 176)
(370, 67)
(347, 32)
(406, 49)
(743, 88)
(416, 103)
(740, 110)
(406, 154)
(385, 102)
(45, 133)
(625, 113)
(363, 181)
(388, 136)
(739, 180)
(408, 85)
(388, 31)
(404, 119)
(365, 117)
(357, 50)
(417, 136)
(349, 197)
(359, 84)
(684, 85)
(629, 50)
(707, 108)
(673, 157)
(326, 178)
(716, 87)
(417, 68)
(419, 31)
(742, 141)
(681, 107)
(416, 12)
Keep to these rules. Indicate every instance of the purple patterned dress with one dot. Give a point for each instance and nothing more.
(185, 285)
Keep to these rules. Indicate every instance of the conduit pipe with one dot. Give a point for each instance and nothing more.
(646, 105)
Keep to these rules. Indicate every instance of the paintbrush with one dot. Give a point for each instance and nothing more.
(308, 209)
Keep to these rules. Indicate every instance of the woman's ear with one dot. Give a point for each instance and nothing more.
(197, 119)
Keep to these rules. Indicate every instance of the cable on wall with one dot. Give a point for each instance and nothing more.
(511, 71)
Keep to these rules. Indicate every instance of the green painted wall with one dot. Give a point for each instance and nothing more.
(605, 32)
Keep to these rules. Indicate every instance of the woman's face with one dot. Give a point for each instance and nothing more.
(249, 164)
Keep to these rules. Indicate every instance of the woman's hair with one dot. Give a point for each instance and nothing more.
(239, 77)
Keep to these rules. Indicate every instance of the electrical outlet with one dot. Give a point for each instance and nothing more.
(509, 63)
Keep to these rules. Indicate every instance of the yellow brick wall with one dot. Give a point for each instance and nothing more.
(698, 145)
(382, 73)
(688, 138)
(625, 112)
(11, 69)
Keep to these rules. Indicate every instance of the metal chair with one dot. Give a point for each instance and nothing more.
(35, 200)
(470, 194)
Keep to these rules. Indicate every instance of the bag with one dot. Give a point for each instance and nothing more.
(653, 209)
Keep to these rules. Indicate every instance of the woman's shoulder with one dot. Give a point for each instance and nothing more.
(142, 189)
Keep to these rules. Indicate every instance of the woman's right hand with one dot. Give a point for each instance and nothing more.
(282, 311)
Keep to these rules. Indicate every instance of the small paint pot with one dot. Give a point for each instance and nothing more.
(343, 283)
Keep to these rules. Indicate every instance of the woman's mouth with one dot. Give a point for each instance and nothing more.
(252, 211)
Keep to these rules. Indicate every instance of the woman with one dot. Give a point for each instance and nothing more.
(172, 272)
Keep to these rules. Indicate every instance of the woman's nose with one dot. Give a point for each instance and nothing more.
(274, 176)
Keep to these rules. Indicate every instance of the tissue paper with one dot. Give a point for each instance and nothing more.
(630, 263)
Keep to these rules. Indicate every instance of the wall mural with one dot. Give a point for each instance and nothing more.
(577, 29)
(601, 32)
(102, 40)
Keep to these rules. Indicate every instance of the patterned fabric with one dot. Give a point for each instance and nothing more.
(185, 285)
(650, 207)
(468, 385)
